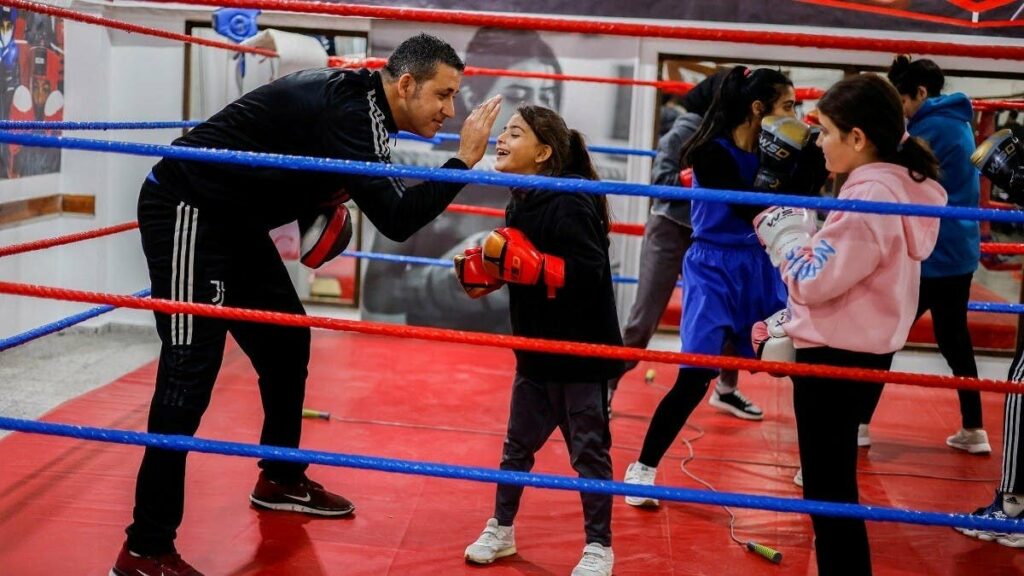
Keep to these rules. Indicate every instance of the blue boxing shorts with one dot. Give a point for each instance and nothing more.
(725, 291)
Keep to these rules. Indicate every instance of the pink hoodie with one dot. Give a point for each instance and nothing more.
(854, 285)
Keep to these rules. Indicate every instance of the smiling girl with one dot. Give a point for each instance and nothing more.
(853, 291)
(553, 253)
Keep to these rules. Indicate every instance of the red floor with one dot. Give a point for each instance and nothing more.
(64, 503)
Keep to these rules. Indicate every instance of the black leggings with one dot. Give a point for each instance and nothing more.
(826, 421)
(673, 411)
(947, 298)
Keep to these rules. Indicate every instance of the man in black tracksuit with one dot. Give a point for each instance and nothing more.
(204, 230)
(1003, 163)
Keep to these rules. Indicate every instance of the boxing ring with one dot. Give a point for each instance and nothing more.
(413, 417)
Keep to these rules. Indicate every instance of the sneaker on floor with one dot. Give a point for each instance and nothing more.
(863, 436)
(971, 441)
(494, 542)
(736, 404)
(303, 496)
(597, 561)
(132, 564)
(1013, 507)
(798, 478)
(638, 473)
(1013, 540)
(994, 511)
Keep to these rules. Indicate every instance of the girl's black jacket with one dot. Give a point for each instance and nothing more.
(571, 226)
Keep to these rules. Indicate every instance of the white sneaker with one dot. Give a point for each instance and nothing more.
(798, 478)
(863, 438)
(597, 561)
(494, 542)
(638, 473)
(971, 441)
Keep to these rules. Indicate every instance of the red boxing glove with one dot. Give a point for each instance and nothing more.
(508, 254)
(325, 235)
(469, 269)
(686, 177)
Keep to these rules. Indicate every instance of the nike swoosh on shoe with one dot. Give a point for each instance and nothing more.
(305, 498)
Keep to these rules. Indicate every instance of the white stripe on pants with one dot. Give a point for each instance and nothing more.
(182, 271)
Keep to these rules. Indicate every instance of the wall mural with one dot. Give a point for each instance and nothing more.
(31, 85)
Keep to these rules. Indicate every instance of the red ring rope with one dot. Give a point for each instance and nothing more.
(68, 239)
(511, 342)
(672, 86)
(623, 29)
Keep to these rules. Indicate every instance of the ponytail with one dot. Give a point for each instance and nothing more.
(569, 153)
(916, 156)
(731, 106)
(907, 75)
(724, 114)
(579, 163)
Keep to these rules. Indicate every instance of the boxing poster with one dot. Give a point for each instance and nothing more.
(32, 78)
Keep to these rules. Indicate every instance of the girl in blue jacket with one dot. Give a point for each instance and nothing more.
(944, 122)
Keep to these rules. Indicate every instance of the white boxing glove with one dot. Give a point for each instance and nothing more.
(781, 230)
(770, 341)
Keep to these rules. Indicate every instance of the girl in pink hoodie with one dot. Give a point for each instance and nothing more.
(853, 291)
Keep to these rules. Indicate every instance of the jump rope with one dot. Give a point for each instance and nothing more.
(766, 552)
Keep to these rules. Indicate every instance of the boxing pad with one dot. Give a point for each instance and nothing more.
(508, 254)
(324, 235)
(469, 269)
(781, 229)
(1001, 160)
(779, 145)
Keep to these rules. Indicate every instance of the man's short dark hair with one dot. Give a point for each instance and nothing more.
(419, 56)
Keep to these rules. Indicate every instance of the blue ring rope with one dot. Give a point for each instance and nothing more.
(39, 332)
(448, 137)
(69, 125)
(383, 170)
(477, 474)
(182, 124)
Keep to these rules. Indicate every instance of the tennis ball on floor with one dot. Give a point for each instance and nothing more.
(649, 375)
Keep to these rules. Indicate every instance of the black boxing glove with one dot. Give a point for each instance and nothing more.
(1001, 160)
(779, 145)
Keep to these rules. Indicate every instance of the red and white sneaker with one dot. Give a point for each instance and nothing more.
(131, 564)
(303, 496)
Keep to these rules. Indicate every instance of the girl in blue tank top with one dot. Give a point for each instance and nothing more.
(729, 282)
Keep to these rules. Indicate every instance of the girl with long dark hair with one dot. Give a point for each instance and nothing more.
(729, 282)
(553, 253)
